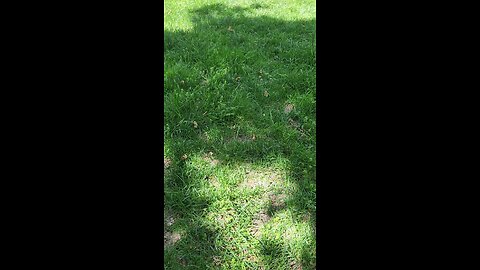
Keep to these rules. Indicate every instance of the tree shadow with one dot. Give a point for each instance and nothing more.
(244, 119)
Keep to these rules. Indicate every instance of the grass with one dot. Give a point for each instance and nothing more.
(239, 152)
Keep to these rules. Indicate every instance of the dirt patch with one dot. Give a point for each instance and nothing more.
(294, 123)
(260, 179)
(225, 218)
(167, 168)
(278, 201)
(211, 159)
(217, 261)
(204, 137)
(297, 126)
(166, 163)
(213, 181)
(288, 108)
(252, 258)
(244, 138)
(295, 265)
(290, 234)
(170, 238)
(168, 218)
(168, 221)
(261, 219)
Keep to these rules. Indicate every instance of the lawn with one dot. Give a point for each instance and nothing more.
(240, 140)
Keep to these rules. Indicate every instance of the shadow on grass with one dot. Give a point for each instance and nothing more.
(241, 87)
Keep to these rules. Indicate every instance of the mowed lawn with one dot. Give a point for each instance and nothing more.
(240, 121)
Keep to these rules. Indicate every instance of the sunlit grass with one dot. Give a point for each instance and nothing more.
(239, 153)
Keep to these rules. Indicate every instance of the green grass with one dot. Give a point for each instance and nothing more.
(240, 106)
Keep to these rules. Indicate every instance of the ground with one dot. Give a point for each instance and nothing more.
(240, 120)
